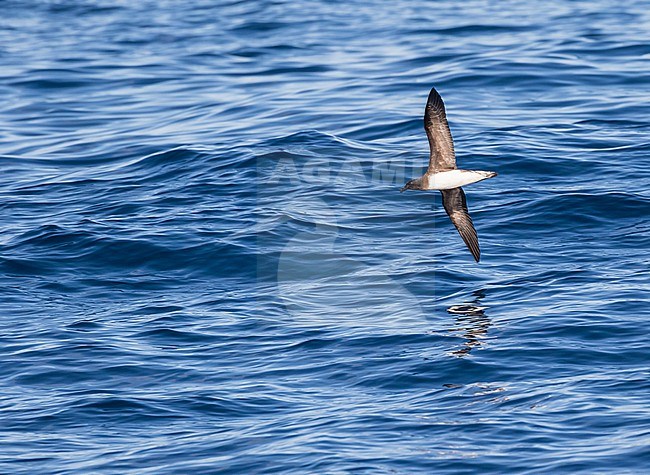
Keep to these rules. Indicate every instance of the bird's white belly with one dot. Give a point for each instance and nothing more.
(454, 178)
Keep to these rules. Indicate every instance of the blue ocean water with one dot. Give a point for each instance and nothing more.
(207, 266)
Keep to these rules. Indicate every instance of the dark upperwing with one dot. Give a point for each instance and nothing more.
(441, 145)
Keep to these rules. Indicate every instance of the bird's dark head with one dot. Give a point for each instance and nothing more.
(415, 184)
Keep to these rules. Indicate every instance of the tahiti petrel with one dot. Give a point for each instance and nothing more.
(443, 175)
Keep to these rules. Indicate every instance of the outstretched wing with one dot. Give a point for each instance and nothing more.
(456, 207)
(441, 145)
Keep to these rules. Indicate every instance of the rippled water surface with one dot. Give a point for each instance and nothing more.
(207, 266)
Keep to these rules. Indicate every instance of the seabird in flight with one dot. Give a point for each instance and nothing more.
(443, 175)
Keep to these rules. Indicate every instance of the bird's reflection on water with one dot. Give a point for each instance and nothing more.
(471, 322)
